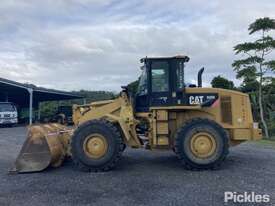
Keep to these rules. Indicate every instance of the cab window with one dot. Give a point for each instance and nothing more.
(142, 86)
(7, 107)
(160, 80)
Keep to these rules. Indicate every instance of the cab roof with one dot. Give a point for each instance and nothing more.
(183, 57)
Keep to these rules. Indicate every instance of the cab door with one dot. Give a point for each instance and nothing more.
(142, 96)
(160, 83)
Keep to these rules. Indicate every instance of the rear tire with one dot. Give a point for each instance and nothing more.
(201, 144)
(96, 146)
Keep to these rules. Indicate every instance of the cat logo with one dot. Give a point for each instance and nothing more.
(195, 99)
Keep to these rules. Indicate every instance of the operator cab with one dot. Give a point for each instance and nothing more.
(161, 82)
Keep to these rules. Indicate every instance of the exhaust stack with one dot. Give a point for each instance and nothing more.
(199, 77)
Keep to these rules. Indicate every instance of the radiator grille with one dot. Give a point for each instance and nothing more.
(226, 112)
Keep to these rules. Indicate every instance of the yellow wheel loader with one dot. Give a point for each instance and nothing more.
(198, 124)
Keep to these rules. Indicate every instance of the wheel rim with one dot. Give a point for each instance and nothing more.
(203, 145)
(95, 146)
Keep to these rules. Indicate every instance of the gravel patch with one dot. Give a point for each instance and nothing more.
(141, 178)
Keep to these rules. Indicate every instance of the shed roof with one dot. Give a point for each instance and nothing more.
(18, 93)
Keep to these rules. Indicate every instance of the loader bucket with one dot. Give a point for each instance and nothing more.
(46, 145)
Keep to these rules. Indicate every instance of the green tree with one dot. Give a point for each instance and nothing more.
(221, 82)
(257, 61)
(250, 83)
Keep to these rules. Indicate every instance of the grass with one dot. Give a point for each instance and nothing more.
(266, 142)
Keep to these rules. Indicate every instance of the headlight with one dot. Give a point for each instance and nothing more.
(255, 125)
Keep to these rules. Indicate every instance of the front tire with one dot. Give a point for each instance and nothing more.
(201, 144)
(96, 146)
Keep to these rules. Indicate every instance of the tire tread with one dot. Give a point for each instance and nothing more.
(118, 141)
(184, 158)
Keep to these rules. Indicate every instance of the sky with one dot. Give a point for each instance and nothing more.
(97, 44)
